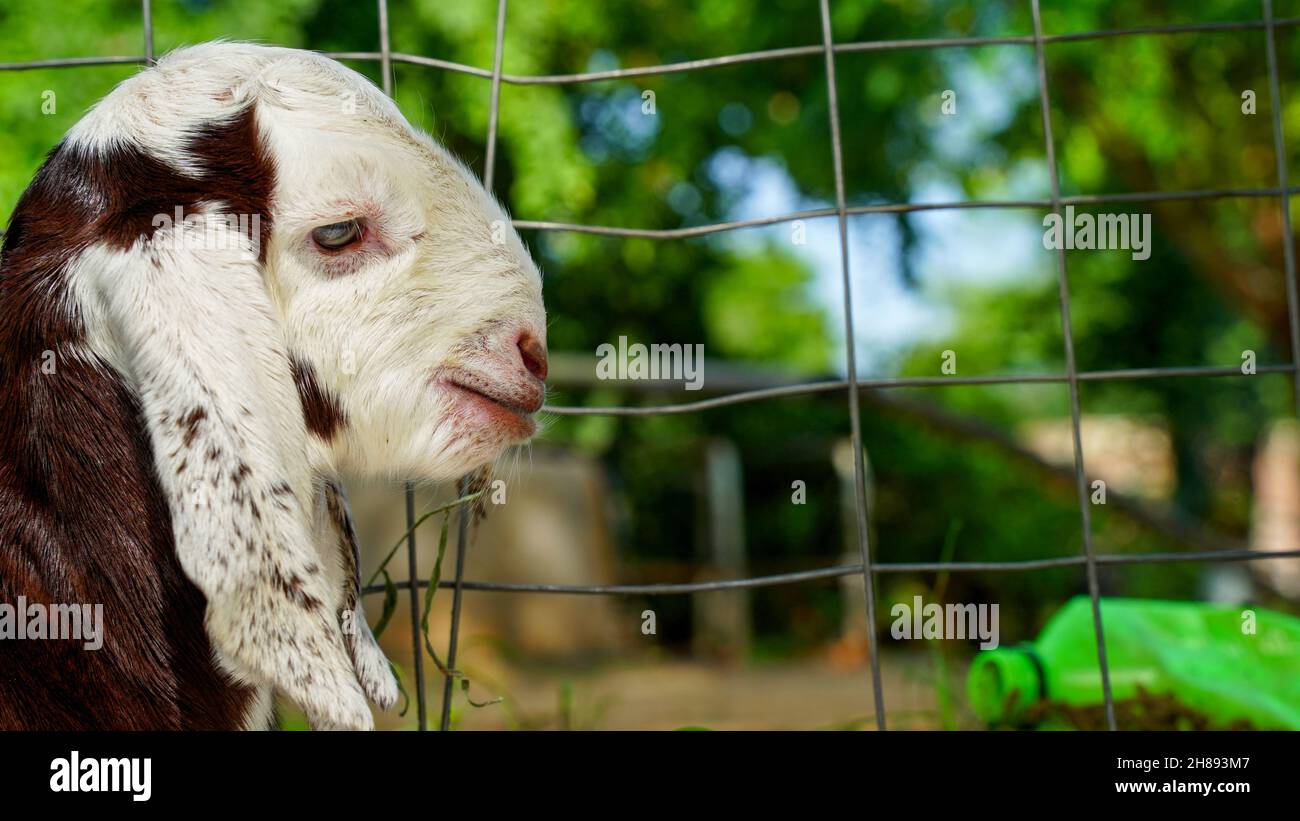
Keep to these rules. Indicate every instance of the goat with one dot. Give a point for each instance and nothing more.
(240, 277)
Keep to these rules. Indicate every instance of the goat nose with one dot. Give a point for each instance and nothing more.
(533, 354)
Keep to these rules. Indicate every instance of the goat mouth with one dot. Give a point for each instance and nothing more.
(495, 399)
(509, 412)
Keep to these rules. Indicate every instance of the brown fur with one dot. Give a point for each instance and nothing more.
(82, 515)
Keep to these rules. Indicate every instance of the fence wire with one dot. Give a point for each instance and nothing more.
(1090, 560)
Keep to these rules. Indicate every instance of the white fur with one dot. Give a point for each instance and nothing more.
(211, 329)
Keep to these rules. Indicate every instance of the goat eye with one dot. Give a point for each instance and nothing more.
(337, 235)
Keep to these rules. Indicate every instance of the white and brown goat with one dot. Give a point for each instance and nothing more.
(240, 277)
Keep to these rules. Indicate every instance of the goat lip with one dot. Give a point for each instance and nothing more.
(522, 404)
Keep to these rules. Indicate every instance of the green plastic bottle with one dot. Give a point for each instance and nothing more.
(1211, 659)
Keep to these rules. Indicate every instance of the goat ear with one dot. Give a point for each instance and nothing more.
(374, 672)
(194, 330)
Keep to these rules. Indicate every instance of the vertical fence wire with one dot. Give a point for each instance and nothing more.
(385, 49)
(850, 350)
(465, 514)
(453, 632)
(146, 12)
(412, 557)
(1072, 372)
(494, 110)
(1288, 241)
(413, 586)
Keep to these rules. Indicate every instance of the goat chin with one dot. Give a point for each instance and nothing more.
(242, 276)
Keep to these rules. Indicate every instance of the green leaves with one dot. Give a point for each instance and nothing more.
(435, 580)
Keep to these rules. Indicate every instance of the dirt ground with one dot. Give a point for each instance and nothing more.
(670, 694)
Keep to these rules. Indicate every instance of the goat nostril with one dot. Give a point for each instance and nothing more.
(534, 355)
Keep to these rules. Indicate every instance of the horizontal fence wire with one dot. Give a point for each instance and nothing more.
(741, 397)
(821, 573)
(1089, 559)
(766, 55)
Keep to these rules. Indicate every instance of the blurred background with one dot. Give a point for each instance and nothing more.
(967, 473)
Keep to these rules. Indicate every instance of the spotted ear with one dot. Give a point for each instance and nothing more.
(374, 672)
(193, 329)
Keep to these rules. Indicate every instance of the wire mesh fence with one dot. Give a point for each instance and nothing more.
(852, 386)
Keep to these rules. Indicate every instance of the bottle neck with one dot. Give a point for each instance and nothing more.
(1004, 682)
